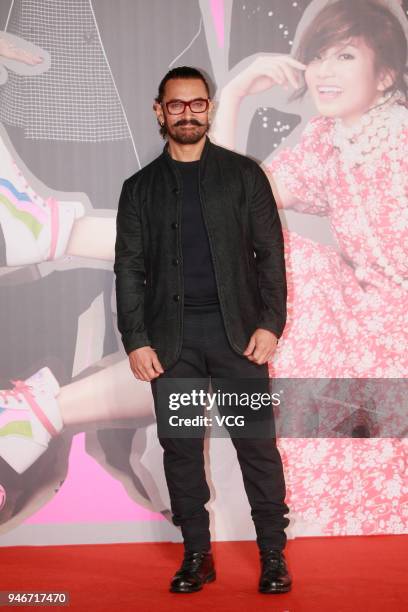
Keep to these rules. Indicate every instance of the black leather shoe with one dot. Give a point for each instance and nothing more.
(197, 569)
(275, 577)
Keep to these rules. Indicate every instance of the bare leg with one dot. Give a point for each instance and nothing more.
(112, 393)
(93, 237)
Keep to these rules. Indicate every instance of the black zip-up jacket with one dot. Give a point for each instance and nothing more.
(245, 236)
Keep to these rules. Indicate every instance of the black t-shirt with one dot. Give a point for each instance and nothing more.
(200, 288)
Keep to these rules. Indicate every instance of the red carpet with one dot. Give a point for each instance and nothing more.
(330, 574)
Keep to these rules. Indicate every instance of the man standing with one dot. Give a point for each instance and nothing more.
(201, 292)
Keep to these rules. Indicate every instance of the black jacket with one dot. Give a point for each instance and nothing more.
(246, 243)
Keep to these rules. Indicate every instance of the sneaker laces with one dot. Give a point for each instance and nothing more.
(22, 389)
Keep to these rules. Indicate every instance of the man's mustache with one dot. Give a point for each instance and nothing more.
(188, 122)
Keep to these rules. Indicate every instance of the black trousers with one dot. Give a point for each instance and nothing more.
(206, 353)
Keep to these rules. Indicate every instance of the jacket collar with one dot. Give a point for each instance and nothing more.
(207, 145)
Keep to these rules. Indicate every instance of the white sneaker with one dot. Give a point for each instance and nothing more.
(35, 229)
(29, 417)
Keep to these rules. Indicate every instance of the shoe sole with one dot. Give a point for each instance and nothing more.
(284, 589)
(210, 578)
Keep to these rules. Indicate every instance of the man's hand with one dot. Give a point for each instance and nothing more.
(145, 364)
(261, 346)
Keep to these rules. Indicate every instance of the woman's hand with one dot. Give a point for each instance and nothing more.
(266, 71)
(262, 73)
(10, 51)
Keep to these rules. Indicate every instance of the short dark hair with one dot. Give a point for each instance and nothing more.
(182, 72)
(368, 19)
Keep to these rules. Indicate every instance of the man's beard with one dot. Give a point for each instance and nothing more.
(187, 137)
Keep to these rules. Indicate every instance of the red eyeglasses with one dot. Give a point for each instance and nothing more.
(177, 107)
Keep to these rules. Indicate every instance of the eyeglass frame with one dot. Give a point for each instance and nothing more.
(187, 103)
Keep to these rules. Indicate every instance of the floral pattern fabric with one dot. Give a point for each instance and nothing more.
(347, 318)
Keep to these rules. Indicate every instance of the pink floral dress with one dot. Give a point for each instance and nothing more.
(347, 317)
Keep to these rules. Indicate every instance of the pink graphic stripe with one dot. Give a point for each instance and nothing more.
(29, 207)
(52, 203)
(217, 12)
(41, 416)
